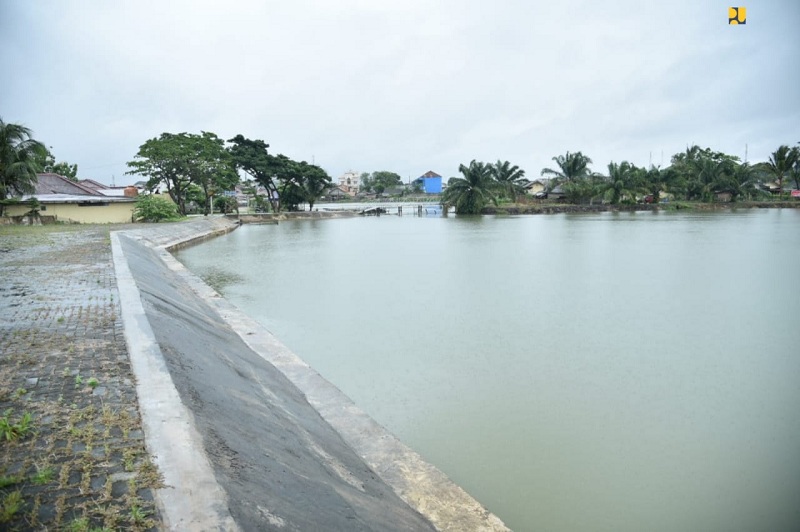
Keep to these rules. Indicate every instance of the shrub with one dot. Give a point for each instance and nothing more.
(152, 208)
(226, 204)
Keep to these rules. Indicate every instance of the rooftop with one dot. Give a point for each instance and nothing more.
(55, 184)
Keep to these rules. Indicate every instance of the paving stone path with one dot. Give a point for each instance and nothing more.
(72, 452)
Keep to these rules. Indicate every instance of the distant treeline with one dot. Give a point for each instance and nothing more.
(194, 168)
(697, 174)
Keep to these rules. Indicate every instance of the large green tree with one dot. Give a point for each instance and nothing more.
(18, 161)
(697, 172)
(300, 182)
(212, 167)
(253, 158)
(380, 181)
(472, 192)
(63, 168)
(162, 160)
(290, 179)
(183, 160)
(510, 179)
(47, 163)
(316, 183)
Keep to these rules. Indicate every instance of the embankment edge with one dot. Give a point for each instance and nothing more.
(418, 483)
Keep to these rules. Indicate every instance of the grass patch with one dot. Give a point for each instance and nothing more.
(82, 524)
(9, 480)
(10, 506)
(138, 515)
(43, 476)
(129, 459)
(12, 430)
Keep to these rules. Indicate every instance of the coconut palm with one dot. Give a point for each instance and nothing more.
(743, 182)
(781, 162)
(622, 181)
(794, 171)
(711, 176)
(571, 167)
(656, 180)
(18, 160)
(509, 178)
(471, 193)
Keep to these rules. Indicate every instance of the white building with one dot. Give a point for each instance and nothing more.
(350, 182)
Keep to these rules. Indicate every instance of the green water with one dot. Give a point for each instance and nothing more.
(631, 371)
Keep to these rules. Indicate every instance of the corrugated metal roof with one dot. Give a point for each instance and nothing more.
(77, 198)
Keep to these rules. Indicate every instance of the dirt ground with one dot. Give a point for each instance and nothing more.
(72, 454)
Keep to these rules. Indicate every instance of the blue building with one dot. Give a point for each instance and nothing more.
(430, 181)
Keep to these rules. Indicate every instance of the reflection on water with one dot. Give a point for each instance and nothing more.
(617, 371)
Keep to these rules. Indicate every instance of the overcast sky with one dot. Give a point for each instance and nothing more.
(405, 86)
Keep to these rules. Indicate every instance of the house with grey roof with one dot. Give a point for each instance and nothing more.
(77, 202)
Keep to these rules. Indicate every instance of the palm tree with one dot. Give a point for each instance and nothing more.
(18, 165)
(712, 176)
(472, 192)
(622, 181)
(509, 178)
(794, 172)
(780, 164)
(655, 180)
(571, 167)
(742, 182)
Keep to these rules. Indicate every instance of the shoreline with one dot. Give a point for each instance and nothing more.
(175, 303)
(562, 208)
(158, 404)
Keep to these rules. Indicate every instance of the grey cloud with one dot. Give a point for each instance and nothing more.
(404, 86)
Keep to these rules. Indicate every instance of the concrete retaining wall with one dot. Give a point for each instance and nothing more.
(247, 434)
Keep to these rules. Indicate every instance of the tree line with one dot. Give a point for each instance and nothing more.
(696, 174)
(189, 165)
(194, 168)
(198, 167)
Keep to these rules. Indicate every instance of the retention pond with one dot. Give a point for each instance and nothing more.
(612, 371)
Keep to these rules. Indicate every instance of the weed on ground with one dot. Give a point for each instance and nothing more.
(72, 453)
